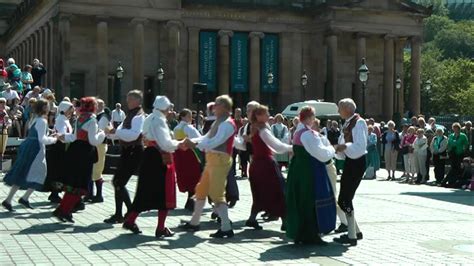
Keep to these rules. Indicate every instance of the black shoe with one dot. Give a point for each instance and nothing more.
(114, 219)
(317, 241)
(88, 198)
(54, 198)
(283, 227)
(97, 199)
(7, 206)
(214, 216)
(271, 218)
(80, 206)
(341, 229)
(165, 233)
(231, 204)
(344, 239)
(25, 203)
(68, 218)
(59, 216)
(358, 235)
(222, 234)
(253, 224)
(264, 215)
(189, 227)
(132, 227)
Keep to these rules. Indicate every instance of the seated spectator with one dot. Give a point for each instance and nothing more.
(3, 74)
(14, 75)
(37, 72)
(5, 123)
(26, 78)
(35, 93)
(9, 94)
(16, 114)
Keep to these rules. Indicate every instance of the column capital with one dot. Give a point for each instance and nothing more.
(102, 18)
(358, 35)
(416, 39)
(225, 33)
(332, 32)
(137, 21)
(174, 24)
(388, 37)
(256, 34)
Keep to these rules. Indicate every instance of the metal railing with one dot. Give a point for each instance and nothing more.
(291, 4)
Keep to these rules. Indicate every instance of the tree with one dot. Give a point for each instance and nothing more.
(439, 6)
(434, 24)
(456, 40)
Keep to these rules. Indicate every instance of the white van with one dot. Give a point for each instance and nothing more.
(324, 110)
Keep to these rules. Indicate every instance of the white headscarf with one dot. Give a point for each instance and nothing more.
(161, 104)
(64, 106)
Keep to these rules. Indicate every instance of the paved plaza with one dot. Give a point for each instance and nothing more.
(402, 224)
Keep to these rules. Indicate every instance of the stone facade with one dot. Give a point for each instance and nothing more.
(81, 43)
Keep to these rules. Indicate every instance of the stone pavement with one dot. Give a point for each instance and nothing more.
(402, 224)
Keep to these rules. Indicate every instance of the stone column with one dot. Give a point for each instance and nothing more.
(65, 47)
(254, 90)
(39, 46)
(361, 52)
(331, 87)
(415, 75)
(50, 47)
(193, 63)
(29, 44)
(223, 62)
(172, 89)
(388, 83)
(138, 60)
(102, 60)
(44, 52)
(399, 45)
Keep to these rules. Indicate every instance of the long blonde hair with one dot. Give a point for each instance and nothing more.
(255, 125)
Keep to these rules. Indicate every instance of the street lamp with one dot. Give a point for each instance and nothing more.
(270, 82)
(304, 83)
(118, 82)
(398, 86)
(363, 77)
(160, 74)
(427, 94)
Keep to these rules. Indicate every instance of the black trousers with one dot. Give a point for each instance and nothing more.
(130, 159)
(455, 173)
(439, 167)
(351, 176)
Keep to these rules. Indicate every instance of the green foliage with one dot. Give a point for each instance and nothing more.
(434, 24)
(456, 40)
(439, 6)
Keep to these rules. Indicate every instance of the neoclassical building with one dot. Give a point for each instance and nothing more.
(231, 45)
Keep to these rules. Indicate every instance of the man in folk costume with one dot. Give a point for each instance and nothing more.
(243, 140)
(217, 144)
(103, 121)
(353, 146)
(156, 188)
(129, 134)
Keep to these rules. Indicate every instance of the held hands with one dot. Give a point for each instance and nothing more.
(188, 144)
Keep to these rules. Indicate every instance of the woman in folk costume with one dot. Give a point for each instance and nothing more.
(80, 158)
(29, 171)
(373, 156)
(266, 180)
(55, 156)
(103, 121)
(189, 162)
(156, 188)
(310, 203)
(281, 132)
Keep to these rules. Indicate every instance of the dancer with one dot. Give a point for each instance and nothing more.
(353, 146)
(130, 135)
(29, 170)
(243, 141)
(266, 180)
(55, 156)
(156, 188)
(80, 158)
(103, 120)
(311, 207)
(189, 162)
(217, 144)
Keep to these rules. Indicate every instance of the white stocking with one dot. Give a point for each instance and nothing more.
(198, 206)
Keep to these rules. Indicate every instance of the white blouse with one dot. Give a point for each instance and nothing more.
(94, 136)
(157, 130)
(134, 132)
(358, 147)
(275, 145)
(62, 125)
(41, 127)
(317, 146)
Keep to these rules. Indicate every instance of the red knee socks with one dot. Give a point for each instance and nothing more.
(68, 202)
(161, 219)
(131, 217)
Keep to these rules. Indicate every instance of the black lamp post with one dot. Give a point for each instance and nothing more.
(118, 82)
(160, 75)
(363, 77)
(427, 94)
(398, 86)
(304, 83)
(270, 82)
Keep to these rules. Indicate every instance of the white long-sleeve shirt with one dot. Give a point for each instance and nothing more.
(134, 132)
(103, 122)
(157, 130)
(224, 132)
(190, 131)
(94, 136)
(358, 147)
(317, 146)
(41, 127)
(118, 115)
(62, 125)
(420, 146)
(275, 145)
(239, 141)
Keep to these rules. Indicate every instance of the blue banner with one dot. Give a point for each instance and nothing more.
(269, 62)
(208, 59)
(239, 64)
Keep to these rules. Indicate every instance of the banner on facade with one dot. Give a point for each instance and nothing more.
(208, 59)
(269, 62)
(239, 63)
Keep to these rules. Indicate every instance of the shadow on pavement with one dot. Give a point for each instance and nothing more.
(123, 241)
(292, 251)
(456, 196)
(59, 227)
(250, 235)
(185, 240)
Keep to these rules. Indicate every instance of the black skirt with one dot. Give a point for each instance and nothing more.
(151, 189)
(80, 158)
(55, 160)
